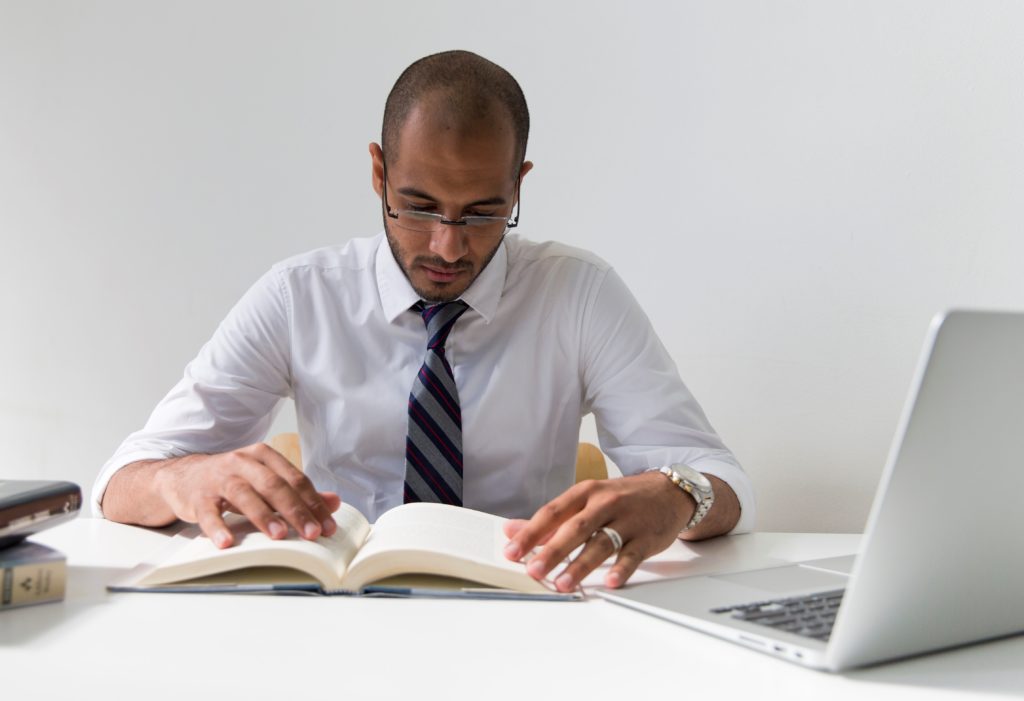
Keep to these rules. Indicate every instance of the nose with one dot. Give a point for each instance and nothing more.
(449, 242)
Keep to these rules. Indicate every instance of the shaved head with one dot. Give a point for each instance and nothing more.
(464, 92)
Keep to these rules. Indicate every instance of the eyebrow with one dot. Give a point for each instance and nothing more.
(419, 194)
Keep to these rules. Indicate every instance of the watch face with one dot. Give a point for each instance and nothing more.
(702, 483)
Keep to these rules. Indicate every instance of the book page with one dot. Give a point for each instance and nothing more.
(326, 559)
(437, 539)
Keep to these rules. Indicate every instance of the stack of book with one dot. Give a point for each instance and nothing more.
(32, 573)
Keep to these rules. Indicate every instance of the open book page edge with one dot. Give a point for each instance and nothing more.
(441, 587)
(408, 561)
(191, 555)
(256, 580)
(384, 592)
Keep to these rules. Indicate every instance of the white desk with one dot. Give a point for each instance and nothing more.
(182, 647)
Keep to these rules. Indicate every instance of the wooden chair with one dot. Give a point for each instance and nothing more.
(590, 462)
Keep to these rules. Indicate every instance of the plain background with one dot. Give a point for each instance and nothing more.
(791, 190)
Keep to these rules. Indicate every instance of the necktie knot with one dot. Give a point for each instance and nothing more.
(439, 319)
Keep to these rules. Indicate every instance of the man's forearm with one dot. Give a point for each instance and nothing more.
(255, 481)
(132, 495)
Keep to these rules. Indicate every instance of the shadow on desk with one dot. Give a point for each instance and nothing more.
(86, 590)
(993, 668)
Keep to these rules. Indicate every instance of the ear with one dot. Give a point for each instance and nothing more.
(377, 168)
(527, 167)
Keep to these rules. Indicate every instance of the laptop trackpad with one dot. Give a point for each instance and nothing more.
(839, 565)
(786, 580)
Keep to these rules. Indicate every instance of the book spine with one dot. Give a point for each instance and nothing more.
(28, 583)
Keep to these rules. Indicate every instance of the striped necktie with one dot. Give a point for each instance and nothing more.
(433, 448)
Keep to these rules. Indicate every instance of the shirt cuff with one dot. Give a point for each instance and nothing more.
(739, 481)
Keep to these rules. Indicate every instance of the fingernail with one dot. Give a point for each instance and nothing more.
(536, 568)
(564, 582)
(221, 538)
(613, 580)
(311, 530)
(512, 551)
(277, 530)
(329, 526)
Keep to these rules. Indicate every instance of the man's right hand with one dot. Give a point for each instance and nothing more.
(255, 481)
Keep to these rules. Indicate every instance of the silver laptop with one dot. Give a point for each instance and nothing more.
(942, 556)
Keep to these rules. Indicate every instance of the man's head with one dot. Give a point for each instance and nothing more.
(454, 140)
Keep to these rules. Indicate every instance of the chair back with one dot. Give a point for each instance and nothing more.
(590, 463)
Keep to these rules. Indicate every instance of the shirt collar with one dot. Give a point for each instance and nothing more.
(397, 295)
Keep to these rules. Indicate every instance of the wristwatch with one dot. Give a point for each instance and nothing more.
(693, 483)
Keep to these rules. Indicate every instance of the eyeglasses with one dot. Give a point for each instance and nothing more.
(475, 225)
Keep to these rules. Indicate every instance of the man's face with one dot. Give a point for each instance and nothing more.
(455, 171)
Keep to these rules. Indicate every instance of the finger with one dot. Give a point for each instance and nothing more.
(543, 524)
(298, 482)
(301, 484)
(569, 536)
(250, 504)
(275, 491)
(332, 500)
(511, 528)
(598, 549)
(212, 524)
(625, 565)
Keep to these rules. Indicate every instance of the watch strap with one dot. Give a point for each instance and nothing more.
(704, 499)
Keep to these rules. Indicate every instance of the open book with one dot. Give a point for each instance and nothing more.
(413, 550)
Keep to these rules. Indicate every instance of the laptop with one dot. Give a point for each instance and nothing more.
(942, 556)
(29, 506)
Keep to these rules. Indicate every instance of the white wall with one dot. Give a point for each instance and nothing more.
(792, 189)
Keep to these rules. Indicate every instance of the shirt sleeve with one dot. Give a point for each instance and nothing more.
(646, 417)
(229, 393)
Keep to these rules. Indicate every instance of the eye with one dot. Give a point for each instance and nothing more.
(420, 207)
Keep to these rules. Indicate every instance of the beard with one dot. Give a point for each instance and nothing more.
(438, 292)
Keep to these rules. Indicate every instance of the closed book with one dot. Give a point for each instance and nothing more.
(32, 574)
(29, 506)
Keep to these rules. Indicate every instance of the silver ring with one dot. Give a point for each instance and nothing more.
(613, 535)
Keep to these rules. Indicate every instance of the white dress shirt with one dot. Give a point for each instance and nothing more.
(551, 334)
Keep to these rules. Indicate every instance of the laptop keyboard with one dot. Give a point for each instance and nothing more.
(811, 615)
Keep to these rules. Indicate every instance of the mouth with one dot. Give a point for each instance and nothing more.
(441, 274)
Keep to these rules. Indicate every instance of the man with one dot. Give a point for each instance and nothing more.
(504, 343)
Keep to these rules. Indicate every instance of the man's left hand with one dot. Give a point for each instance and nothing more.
(646, 510)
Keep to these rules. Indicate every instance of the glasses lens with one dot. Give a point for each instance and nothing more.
(428, 221)
(486, 225)
(417, 221)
